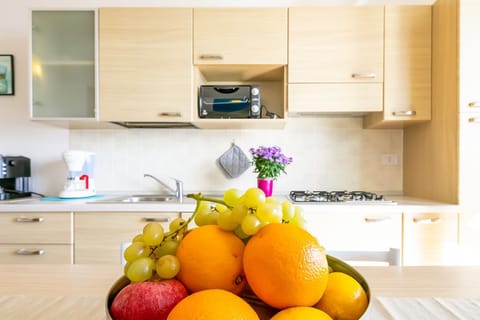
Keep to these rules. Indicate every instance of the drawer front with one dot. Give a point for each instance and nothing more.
(356, 231)
(430, 238)
(31, 227)
(335, 97)
(99, 236)
(36, 253)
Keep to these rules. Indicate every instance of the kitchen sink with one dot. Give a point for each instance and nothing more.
(147, 198)
(139, 198)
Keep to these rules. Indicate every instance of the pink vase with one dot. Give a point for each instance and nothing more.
(266, 185)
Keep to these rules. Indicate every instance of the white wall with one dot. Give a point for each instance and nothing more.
(328, 153)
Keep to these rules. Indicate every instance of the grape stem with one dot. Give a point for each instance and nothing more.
(199, 197)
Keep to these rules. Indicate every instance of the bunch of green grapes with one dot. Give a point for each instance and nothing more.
(245, 214)
(152, 252)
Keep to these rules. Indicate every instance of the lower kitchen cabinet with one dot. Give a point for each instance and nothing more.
(99, 235)
(36, 237)
(356, 231)
(430, 238)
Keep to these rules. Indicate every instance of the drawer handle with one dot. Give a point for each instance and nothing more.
(404, 113)
(376, 219)
(211, 57)
(474, 104)
(27, 252)
(368, 75)
(427, 220)
(170, 114)
(474, 120)
(147, 219)
(28, 220)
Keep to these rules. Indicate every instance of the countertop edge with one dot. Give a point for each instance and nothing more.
(402, 205)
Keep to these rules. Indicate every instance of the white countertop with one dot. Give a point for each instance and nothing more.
(35, 204)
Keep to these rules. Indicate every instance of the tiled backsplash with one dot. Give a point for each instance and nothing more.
(328, 153)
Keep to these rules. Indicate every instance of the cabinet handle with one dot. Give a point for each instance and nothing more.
(404, 113)
(368, 75)
(376, 219)
(474, 104)
(474, 120)
(28, 220)
(27, 252)
(427, 220)
(170, 114)
(211, 57)
(147, 219)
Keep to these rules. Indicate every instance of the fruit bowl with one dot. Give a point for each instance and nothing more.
(264, 311)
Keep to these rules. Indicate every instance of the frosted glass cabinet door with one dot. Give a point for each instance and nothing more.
(63, 64)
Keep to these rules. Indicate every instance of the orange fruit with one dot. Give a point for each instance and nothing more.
(211, 258)
(301, 313)
(285, 266)
(212, 304)
(344, 298)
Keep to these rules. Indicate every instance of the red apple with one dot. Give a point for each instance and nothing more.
(150, 300)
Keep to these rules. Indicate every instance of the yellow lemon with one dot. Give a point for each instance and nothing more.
(344, 298)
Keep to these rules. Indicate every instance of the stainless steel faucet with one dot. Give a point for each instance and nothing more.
(178, 184)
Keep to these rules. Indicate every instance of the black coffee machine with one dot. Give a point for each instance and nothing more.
(15, 177)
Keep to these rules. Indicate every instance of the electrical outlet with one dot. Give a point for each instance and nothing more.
(389, 159)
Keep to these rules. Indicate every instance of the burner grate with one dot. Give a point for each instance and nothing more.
(335, 196)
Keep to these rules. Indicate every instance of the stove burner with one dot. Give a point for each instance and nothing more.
(335, 196)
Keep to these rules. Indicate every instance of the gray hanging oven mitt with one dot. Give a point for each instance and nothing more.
(234, 162)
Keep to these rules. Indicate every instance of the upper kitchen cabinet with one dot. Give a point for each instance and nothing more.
(335, 59)
(407, 74)
(240, 36)
(145, 67)
(63, 69)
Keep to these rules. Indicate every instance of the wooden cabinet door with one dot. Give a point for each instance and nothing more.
(146, 71)
(469, 166)
(335, 59)
(99, 235)
(407, 80)
(430, 238)
(240, 36)
(469, 170)
(336, 44)
(469, 55)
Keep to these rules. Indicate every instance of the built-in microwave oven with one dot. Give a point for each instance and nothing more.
(229, 101)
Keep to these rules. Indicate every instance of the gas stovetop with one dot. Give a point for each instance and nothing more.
(359, 197)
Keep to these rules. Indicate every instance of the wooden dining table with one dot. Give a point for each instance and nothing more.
(73, 291)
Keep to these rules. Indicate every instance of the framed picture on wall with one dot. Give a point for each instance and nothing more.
(6, 75)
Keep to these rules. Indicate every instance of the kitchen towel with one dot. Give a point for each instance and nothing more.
(234, 162)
